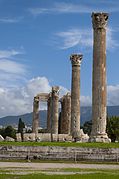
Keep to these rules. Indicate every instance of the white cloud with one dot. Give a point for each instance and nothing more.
(83, 38)
(63, 91)
(113, 95)
(14, 101)
(111, 42)
(10, 20)
(86, 101)
(13, 67)
(37, 85)
(74, 37)
(11, 71)
(37, 11)
(9, 53)
(75, 8)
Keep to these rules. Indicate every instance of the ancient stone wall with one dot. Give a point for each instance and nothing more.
(59, 153)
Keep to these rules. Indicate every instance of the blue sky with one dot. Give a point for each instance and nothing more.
(37, 39)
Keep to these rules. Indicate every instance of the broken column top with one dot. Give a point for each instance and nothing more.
(99, 20)
(55, 90)
(76, 59)
(67, 95)
(36, 99)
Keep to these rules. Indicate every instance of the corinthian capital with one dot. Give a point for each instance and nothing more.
(99, 20)
(55, 90)
(36, 99)
(76, 59)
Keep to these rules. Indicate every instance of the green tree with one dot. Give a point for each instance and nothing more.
(21, 126)
(9, 131)
(113, 128)
(2, 132)
(87, 127)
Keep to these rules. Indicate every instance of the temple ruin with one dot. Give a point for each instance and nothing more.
(68, 127)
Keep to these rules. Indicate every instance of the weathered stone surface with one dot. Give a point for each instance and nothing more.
(9, 139)
(64, 138)
(54, 137)
(43, 137)
(29, 137)
(18, 137)
(59, 153)
(55, 110)
(49, 112)
(83, 137)
(75, 95)
(1, 138)
(35, 123)
(99, 91)
(65, 123)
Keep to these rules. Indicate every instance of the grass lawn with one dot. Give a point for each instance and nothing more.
(62, 144)
(75, 176)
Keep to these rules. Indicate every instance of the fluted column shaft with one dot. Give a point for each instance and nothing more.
(49, 110)
(99, 89)
(55, 110)
(75, 95)
(66, 114)
(35, 123)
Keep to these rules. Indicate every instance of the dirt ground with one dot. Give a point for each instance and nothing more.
(46, 166)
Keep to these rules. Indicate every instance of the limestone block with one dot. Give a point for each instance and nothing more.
(64, 137)
(61, 137)
(55, 137)
(100, 139)
(9, 139)
(29, 137)
(69, 138)
(43, 137)
(83, 137)
(1, 138)
(18, 137)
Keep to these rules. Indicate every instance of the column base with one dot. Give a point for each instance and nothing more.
(99, 138)
(79, 136)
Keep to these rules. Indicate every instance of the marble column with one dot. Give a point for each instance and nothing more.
(55, 110)
(35, 123)
(49, 109)
(75, 95)
(99, 88)
(65, 114)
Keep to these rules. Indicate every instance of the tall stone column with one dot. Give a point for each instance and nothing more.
(99, 91)
(55, 110)
(49, 110)
(66, 114)
(35, 122)
(75, 96)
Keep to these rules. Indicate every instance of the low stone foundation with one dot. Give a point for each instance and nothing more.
(48, 137)
(44, 137)
(59, 153)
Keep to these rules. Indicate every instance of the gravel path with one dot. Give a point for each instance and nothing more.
(45, 166)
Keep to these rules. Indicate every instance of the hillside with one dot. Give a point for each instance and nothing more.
(86, 113)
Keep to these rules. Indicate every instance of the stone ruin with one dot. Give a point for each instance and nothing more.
(68, 128)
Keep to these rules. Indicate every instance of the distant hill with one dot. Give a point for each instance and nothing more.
(86, 113)
(27, 118)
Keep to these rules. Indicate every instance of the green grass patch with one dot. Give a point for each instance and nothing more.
(89, 170)
(75, 176)
(62, 144)
(94, 174)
